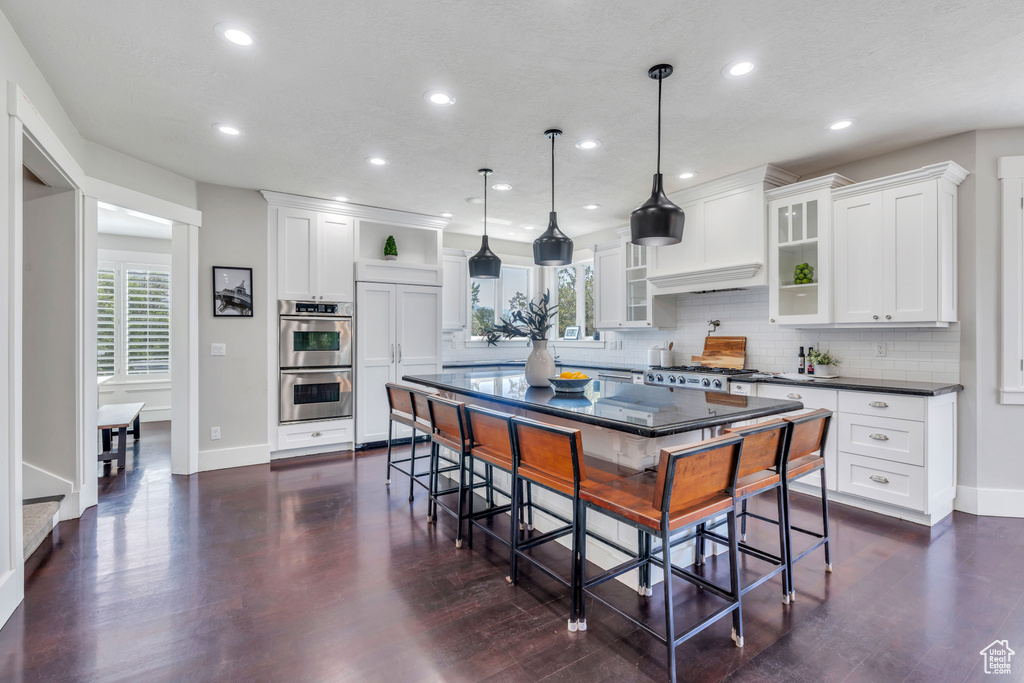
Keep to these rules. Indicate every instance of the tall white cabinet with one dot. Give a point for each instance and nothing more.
(315, 256)
(398, 332)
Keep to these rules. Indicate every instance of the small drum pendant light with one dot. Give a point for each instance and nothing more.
(553, 247)
(484, 264)
(657, 222)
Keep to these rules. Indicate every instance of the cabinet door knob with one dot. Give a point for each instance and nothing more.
(878, 404)
(879, 437)
(879, 478)
(392, 353)
(795, 397)
(317, 434)
(399, 353)
(772, 320)
(874, 317)
(888, 317)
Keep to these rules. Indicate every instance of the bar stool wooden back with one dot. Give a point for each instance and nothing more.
(806, 454)
(449, 430)
(409, 408)
(550, 457)
(693, 485)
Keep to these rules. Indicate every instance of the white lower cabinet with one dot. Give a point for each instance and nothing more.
(311, 434)
(889, 453)
(398, 332)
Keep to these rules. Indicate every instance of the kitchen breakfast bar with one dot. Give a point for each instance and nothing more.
(625, 425)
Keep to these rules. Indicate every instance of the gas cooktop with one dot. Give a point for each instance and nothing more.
(695, 377)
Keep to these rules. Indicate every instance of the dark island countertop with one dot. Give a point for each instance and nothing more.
(881, 386)
(647, 411)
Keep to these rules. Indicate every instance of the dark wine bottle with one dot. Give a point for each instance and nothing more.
(810, 363)
(803, 361)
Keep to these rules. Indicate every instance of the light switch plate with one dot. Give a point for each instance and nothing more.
(880, 349)
(218, 349)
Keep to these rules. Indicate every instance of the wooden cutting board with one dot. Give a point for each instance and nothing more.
(723, 352)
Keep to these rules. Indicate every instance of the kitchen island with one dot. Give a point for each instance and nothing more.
(622, 423)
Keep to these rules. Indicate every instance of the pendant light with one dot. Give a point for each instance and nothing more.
(484, 264)
(553, 247)
(657, 222)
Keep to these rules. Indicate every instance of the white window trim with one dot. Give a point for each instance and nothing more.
(121, 262)
(1011, 176)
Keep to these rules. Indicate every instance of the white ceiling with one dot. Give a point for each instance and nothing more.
(328, 83)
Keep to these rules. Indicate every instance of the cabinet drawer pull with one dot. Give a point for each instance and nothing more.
(317, 434)
(795, 397)
(874, 317)
(888, 317)
(879, 437)
(878, 404)
(879, 478)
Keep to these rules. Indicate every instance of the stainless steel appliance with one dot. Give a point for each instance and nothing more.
(695, 377)
(315, 360)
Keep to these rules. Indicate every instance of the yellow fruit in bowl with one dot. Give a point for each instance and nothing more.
(566, 375)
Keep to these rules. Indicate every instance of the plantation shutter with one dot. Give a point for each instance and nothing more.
(106, 318)
(148, 322)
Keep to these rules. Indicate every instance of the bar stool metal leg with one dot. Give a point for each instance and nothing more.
(412, 464)
(734, 580)
(391, 429)
(670, 632)
(824, 521)
(577, 611)
(462, 499)
(787, 584)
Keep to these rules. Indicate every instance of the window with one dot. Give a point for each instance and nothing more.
(133, 325)
(492, 299)
(576, 298)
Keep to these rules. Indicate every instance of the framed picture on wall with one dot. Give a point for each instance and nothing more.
(232, 292)
(572, 332)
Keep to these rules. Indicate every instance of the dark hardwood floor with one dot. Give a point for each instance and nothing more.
(308, 570)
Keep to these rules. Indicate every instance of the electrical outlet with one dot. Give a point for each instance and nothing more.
(880, 349)
(214, 433)
(218, 349)
(454, 346)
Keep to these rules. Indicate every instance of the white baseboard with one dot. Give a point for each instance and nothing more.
(240, 456)
(990, 502)
(155, 415)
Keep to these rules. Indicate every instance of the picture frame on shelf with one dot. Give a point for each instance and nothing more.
(232, 292)
(572, 332)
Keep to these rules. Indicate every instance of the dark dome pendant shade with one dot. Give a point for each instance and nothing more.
(553, 247)
(657, 222)
(484, 264)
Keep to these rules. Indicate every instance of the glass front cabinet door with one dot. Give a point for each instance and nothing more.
(800, 251)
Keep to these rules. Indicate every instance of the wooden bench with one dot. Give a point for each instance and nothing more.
(119, 416)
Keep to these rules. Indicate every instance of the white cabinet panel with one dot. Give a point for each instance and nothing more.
(609, 283)
(455, 292)
(334, 258)
(858, 264)
(881, 480)
(910, 253)
(296, 240)
(882, 437)
(418, 324)
(883, 405)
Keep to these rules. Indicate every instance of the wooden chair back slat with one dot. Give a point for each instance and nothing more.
(419, 402)
(764, 447)
(400, 400)
(490, 432)
(447, 421)
(692, 474)
(808, 433)
(553, 451)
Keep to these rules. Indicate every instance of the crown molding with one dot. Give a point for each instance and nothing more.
(947, 170)
(767, 174)
(825, 182)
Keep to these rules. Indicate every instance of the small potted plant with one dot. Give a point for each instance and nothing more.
(825, 364)
(390, 249)
(533, 321)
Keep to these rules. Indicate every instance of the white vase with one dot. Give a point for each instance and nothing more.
(539, 364)
(826, 371)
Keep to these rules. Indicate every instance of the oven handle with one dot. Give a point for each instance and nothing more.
(302, 318)
(315, 371)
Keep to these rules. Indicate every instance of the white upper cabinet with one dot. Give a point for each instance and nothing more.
(895, 248)
(800, 249)
(725, 236)
(623, 293)
(314, 256)
(609, 283)
(455, 290)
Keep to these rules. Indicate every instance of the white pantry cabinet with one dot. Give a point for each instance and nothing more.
(455, 306)
(398, 332)
(895, 248)
(314, 255)
(799, 232)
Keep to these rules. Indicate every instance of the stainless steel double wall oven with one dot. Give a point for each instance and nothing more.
(316, 360)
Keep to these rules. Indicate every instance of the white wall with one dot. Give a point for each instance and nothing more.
(233, 388)
(147, 245)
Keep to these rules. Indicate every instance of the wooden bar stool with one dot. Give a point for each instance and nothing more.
(408, 407)
(693, 486)
(761, 466)
(806, 454)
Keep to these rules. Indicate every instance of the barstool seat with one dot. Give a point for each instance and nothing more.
(802, 466)
(631, 497)
(756, 482)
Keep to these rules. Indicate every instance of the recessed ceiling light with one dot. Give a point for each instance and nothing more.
(840, 124)
(739, 68)
(588, 144)
(474, 200)
(687, 175)
(438, 97)
(447, 214)
(340, 198)
(377, 161)
(591, 207)
(226, 128)
(529, 227)
(234, 34)
(501, 187)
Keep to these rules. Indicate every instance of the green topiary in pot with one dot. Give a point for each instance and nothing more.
(390, 249)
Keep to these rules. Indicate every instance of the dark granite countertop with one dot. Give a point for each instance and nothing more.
(521, 363)
(639, 409)
(881, 386)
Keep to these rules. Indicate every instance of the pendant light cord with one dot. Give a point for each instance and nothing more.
(659, 124)
(485, 204)
(553, 173)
